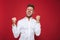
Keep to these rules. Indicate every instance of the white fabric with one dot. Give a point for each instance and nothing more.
(26, 29)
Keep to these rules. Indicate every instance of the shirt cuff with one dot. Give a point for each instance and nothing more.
(13, 26)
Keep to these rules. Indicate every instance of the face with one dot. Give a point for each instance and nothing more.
(29, 11)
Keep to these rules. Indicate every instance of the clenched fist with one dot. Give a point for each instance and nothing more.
(38, 18)
(14, 20)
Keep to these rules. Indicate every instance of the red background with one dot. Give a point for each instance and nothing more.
(49, 10)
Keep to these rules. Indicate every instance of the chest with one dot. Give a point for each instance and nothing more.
(28, 25)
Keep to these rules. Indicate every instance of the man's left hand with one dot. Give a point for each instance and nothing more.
(38, 18)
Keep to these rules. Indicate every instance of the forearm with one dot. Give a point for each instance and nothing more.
(37, 29)
(15, 31)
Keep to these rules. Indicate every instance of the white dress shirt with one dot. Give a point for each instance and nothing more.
(26, 29)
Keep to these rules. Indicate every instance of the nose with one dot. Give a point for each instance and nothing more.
(29, 11)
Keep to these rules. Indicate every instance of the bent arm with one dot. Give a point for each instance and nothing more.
(16, 30)
(37, 29)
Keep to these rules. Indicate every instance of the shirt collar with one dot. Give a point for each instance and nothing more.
(27, 18)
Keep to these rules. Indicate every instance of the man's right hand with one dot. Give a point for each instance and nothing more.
(14, 20)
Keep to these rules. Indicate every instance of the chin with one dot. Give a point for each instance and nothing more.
(29, 16)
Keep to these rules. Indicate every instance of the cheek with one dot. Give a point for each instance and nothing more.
(31, 12)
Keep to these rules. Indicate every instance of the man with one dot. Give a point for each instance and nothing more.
(27, 27)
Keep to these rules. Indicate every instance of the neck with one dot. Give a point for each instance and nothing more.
(28, 18)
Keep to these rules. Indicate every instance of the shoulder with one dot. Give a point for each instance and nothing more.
(34, 20)
(21, 20)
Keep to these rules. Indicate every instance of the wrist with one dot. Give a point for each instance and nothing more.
(13, 24)
(37, 21)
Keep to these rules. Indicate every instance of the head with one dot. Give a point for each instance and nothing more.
(29, 10)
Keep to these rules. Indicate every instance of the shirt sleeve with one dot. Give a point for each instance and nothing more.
(37, 29)
(16, 30)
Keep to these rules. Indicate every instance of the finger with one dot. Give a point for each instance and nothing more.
(14, 18)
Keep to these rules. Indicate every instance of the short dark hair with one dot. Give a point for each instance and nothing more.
(31, 5)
